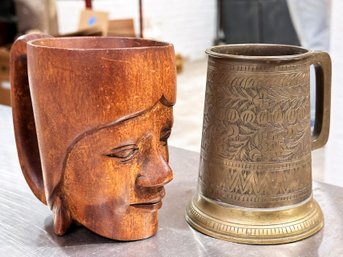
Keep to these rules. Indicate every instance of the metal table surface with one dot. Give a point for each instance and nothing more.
(26, 224)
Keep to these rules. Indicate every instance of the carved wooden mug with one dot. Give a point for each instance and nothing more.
(255, 182)
(92, 117)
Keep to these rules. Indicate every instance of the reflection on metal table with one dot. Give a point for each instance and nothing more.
(26, 224)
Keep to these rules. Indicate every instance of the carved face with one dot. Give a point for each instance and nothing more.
(114, 176)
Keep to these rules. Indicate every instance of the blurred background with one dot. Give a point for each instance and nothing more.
(192, 26)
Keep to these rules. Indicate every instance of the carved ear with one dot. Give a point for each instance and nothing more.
(62, 218)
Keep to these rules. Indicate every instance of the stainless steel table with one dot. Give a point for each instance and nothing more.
(26, 224)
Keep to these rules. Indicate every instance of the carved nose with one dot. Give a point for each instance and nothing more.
(155, 171)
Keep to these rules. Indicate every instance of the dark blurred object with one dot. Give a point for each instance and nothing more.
(8, 32)
(37, 15)
(4, 76)
(255, 21)
(8, 22)
(88, 4)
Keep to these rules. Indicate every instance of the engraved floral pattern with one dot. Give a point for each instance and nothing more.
(248, 120)
(256, 136)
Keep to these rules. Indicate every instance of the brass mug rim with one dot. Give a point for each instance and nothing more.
(94, 43)
(259, 52)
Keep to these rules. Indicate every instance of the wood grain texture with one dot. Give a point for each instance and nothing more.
(92, 116)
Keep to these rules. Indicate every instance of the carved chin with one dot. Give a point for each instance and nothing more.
(139, 221)
(140, 226)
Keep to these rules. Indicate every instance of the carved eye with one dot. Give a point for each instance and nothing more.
(165, 133)
(124, 153)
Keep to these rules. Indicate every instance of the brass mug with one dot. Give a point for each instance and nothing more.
(255, 182)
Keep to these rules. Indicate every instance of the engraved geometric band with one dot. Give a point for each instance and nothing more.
(256, 184)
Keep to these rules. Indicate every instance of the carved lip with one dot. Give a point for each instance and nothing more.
(154, 202)
(148, 206)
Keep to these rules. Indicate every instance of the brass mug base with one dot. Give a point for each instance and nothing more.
(252, 225)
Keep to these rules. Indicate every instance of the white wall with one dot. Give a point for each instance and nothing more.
(331, 160)
(189, 24)
(336, 53)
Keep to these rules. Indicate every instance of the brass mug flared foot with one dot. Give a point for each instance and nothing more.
(252, 225)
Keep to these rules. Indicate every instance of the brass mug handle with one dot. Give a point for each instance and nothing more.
(322, 65)
(23, 118)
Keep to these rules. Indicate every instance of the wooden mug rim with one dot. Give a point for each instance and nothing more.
(94, 43)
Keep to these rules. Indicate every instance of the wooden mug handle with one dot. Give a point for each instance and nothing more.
(23, 118)
(322, 65)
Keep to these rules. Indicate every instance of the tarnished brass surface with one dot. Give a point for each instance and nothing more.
(255, 226)
(257, 142)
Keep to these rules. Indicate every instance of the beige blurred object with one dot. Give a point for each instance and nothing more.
(95, 20)
(121, 27)
(179, 61)
(4, 77)
(37, 14)
(93, 31)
